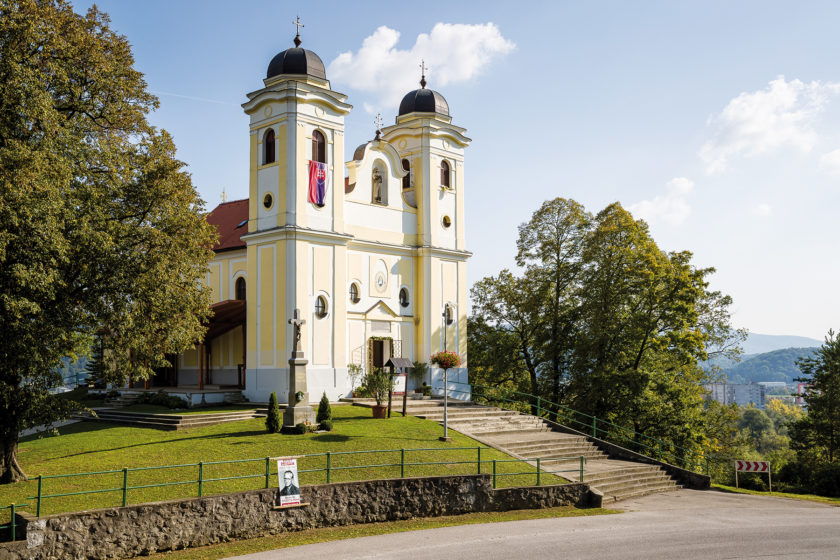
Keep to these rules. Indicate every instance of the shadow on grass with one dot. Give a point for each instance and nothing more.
(332, 438)
(225, 435)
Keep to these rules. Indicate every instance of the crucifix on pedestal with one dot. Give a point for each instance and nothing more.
(298, 409)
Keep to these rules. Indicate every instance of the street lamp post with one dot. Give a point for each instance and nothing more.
(447, 320)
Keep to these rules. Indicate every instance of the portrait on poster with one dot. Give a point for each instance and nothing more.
(289, 492)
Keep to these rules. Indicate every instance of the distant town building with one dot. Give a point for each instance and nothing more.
(739, 394)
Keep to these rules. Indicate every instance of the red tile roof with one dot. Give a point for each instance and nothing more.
(231, 221)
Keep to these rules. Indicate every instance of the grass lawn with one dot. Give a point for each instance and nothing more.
(157, 409)
(806, 497)
(311, 536)
(99, 446)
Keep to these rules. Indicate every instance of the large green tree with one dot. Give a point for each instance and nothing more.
(816, 437)
(101, 230)
(604, 321)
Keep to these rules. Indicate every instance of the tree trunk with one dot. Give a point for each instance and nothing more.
(10, 470)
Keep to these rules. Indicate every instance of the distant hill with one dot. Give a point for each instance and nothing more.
(778, 365)
(761, 343)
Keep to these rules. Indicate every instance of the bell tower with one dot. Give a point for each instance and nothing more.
(296, 245)
(432, 150)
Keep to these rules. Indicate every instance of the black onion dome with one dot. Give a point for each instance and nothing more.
(296, 61)
(424, 101)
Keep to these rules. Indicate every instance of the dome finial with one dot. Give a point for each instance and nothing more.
(422, 74)
(298, 25)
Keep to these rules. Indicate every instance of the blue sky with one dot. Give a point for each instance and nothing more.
(717, 122)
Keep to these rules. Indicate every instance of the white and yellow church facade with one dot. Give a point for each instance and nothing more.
(381, 261)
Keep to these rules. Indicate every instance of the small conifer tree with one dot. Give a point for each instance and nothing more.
(272, 422)
(324, 410)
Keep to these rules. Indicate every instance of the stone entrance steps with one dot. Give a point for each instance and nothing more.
(528, 437)
(174, 421)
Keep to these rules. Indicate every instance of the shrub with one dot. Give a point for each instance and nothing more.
(427, 390)
(827, 480)
(326, 425)
(324, 410)
(379, 382)
(161, 398)
(301, 428)
(272, 421)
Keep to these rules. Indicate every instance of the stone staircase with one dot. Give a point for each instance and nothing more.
(528, 437)
(123, 399)
(174, 421)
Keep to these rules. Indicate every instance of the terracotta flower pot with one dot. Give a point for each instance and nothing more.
(380, 410)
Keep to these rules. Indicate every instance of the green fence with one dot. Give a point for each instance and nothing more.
(120, 487)
(9, 531)
(655, 448)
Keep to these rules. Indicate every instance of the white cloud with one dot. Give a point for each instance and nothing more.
(781, 115)
(671, 208)
(452, 52)
(830, 162)
(762, 209)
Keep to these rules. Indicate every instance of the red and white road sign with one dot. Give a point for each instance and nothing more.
(752, 466)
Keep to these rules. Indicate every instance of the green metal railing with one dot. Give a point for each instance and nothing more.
(12, 526)
(329, 463)
(600, 428)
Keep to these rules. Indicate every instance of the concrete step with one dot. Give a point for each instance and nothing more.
(508, 431)
(566, 454)
(548, 444)
(633, 490)
(638, 493)
(609, 485)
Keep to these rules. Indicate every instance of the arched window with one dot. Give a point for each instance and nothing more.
(319, 147)
(268, 147)
(444, 174)
(354, 293)
(407, 178)
(404, 297)
(321, 307)
(240, 288)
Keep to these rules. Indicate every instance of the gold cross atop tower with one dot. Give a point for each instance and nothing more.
(423, 73)
(298, 25)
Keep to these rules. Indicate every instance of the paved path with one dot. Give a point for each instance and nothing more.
(686, 524)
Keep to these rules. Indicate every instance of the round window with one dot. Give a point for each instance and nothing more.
(446, 221)
(321, 307)
(267, 200)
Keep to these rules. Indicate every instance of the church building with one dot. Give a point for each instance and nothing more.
(370, 251)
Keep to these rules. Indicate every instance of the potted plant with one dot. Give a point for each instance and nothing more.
(379, 382)
(418, 375)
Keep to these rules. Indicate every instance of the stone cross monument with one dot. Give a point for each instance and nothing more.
(297, 411)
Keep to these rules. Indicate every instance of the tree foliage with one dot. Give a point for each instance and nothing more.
(816, 437)
(101, 230)
(603, 321)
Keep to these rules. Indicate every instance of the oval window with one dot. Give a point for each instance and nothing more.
(321, 307)
(404, 297)
(267, 200)
(446, 221)
(354, 293)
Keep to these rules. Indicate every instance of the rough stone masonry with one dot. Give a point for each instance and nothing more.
(143, 529)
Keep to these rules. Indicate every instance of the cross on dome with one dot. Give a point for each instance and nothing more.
(298, 25)
(423, 73)
(378, 123)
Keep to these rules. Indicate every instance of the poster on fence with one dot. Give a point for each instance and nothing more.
(287, 472)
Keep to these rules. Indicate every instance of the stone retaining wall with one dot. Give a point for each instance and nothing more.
(143, 529)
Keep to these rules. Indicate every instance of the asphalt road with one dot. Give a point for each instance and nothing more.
(674, 525)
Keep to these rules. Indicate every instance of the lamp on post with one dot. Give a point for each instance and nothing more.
(447, 320)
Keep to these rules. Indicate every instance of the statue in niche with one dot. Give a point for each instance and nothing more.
(376, 178)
